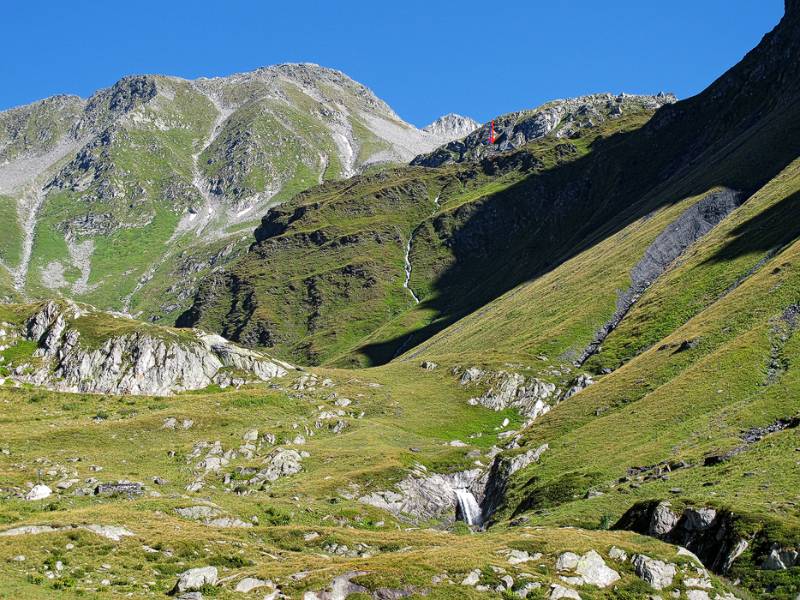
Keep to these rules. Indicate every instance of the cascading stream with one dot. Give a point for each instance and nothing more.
(468, 507)
(408, 270)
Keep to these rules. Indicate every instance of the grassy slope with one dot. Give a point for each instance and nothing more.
(372, 452)
(326, 278)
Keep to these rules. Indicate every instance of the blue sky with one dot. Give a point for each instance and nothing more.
(425, 58)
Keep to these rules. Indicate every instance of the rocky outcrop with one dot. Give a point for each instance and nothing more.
(422, 496)
(708, 533)
(561, 118)
(695, 222)
(502, 469)
(530, 397)
(145, 360)
(471, 496)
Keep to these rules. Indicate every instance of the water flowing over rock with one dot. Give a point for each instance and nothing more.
(423, 496)
(146, 360)
(468, 509)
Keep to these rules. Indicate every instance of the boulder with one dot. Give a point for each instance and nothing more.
(568, 561)
(194, 579)
(594, 571)
(472, 578)
(559, 591)
(38, 492)
(655, 572)
(663, 519)
(618, 554)
(248, 584)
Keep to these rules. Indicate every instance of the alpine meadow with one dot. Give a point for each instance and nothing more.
(262, 338)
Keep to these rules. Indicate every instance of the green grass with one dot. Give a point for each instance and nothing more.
(372, 452)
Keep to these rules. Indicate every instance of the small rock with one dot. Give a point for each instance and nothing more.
(518, 557)
(567, 561)
(194, 579)
(472, 578)
(249, 584)
(618, 554)
(528, 588)
(559, 591)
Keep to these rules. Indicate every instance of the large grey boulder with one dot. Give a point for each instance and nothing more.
(592, 568)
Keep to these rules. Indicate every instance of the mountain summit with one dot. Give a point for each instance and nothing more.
(173, 174)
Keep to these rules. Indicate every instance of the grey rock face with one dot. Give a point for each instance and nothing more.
(148, 360)
(780, 559)
(502, 469)
(695, 222)
(424, 496)
(709, 534)
(663, 520)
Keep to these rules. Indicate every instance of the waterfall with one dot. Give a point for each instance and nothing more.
(468, 508)
(408, 269)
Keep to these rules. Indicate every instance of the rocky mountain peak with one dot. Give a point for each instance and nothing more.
(452, 126)
(564, 118)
